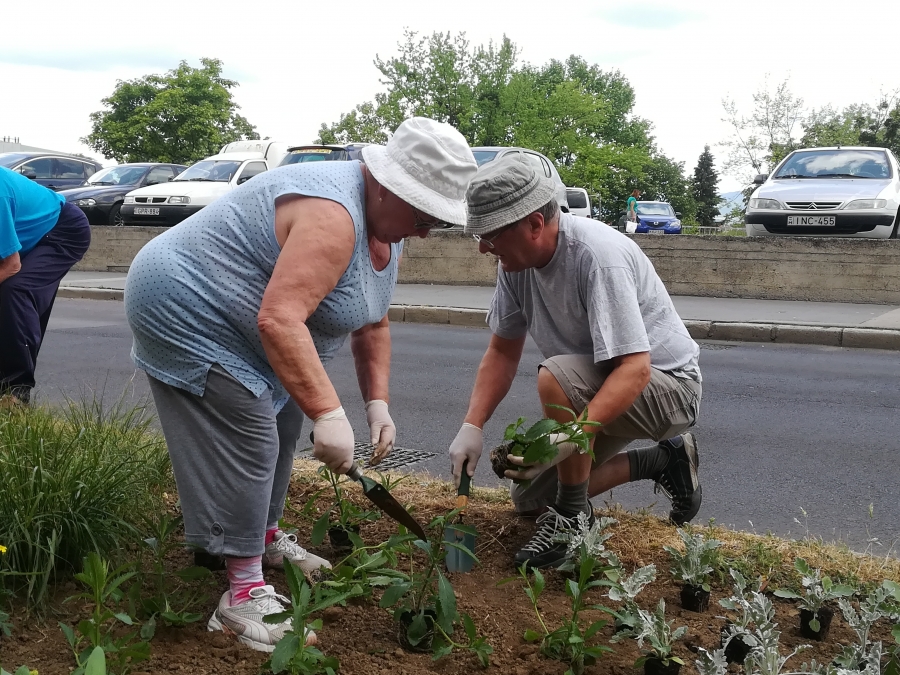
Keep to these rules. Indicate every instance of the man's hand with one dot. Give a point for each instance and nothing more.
(9, 266)
(531, 471)
(382, 430)
(467, 445)
(333, 441)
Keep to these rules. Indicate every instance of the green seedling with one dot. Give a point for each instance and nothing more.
(367, 567)
(818, 590)
(653, 630)
(292, 654)
(174, 595)
(534, 445)
(424, 595)
(880, 603)
(625, 589)
(348, 515)
(570, 643)
(693, 566)
(104, 627)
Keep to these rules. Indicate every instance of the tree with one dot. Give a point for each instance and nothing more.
(857, 124)
(763, 139)
(705, 188)
(575, 113)
(181, 117)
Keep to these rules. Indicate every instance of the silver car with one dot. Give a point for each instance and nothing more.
(846, 192)
(541, 164)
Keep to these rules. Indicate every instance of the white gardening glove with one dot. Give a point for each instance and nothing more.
(467, 445)
(382, 430)
(333, 441)
(565, 450)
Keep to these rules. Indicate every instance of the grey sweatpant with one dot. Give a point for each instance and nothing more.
(232, 458)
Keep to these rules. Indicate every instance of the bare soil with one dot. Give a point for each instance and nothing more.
(364, 637)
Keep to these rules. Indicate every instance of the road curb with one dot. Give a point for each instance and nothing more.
(732, 331)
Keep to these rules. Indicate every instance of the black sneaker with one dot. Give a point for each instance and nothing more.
(679, 482)
(545, 548)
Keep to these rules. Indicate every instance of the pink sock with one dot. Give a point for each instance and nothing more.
(270, 534)
(244, 574)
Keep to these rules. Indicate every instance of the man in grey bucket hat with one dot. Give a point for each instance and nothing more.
(613, 347)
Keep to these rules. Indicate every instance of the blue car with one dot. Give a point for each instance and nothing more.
(657, 218)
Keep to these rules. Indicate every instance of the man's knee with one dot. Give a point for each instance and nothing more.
(549, 388)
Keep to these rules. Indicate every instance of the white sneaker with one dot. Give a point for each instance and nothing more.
(286, 546)
(244, 621)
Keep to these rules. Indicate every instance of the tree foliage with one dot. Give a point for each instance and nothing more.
(182, 116)
(575, 113)
(706, 188)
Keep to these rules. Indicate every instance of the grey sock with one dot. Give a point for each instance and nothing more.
(647, 463)
(570, 499)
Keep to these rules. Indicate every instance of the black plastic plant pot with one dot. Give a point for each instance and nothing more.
(656, 667)
(694, 598)
(736, 650)
(405, 621)
(339, 536)
(824, 615)
(203, 558)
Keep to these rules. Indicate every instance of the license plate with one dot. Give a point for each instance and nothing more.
(143, 211)
(810, 220)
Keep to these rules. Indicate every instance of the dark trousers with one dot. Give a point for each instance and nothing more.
(26, 298)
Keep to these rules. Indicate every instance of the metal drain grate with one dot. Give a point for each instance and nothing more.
(400, 458)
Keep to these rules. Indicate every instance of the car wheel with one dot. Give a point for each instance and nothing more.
(896, 226)
(115, 216)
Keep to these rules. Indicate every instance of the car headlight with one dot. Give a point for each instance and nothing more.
(85, 202)
(770, 204)
(179, 200)
(129, 200)
(867, 204)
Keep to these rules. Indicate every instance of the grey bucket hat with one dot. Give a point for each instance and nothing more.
(503, 192)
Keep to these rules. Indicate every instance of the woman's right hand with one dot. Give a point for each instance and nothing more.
(333, 441)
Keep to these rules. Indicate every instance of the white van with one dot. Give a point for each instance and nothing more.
(202, 183)
(579, 202)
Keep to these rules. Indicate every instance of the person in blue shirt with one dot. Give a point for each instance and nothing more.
(41, 238)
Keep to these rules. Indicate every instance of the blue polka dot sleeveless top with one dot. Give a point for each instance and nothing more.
(193, 293)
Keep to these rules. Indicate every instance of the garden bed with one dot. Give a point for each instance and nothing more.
(364, 637)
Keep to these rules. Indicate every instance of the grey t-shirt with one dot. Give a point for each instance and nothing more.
(599, 295)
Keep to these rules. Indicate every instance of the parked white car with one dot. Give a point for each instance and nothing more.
(579, 202)
(847, 192)
(201, 184)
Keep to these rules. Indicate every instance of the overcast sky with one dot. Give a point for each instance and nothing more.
(301, 63)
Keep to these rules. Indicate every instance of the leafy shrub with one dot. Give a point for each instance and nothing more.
(74, 482)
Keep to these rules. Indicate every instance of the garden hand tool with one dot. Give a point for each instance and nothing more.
(379, 496)
(457, 560)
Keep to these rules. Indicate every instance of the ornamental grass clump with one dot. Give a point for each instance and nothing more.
(76, 481)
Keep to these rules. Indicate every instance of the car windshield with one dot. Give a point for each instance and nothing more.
(216, 170)
(304, 155)
(10, 159)
(654, 209)
(836, 164)
(482, 156)
(118, 175)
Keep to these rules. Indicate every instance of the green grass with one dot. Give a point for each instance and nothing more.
(74, 481)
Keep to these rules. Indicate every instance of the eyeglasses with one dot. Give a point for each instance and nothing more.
(421, 224)
(489, 241)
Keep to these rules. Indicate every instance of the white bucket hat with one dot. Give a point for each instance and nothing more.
(428, 165)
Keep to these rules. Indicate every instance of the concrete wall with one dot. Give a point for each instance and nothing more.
(783, 268)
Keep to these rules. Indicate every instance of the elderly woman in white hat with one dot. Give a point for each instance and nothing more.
(234, 312)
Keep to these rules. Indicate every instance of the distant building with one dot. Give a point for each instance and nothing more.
(10, 144)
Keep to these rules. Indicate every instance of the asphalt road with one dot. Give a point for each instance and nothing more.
(784, 428)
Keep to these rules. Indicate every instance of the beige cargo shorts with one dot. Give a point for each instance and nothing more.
(668, 406)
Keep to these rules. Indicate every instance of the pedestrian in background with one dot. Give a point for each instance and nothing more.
(41, 238)
(631, 206)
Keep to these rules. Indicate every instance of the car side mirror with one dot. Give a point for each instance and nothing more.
(678, 214)
(152, 182)
(32, 176)
(760, 178)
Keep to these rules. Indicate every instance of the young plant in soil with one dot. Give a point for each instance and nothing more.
(570, 643)
(367, 567)
(588, 540)
(292, 654)
(103, 628)
(174, 596)
(692, 568)
(815, 614)
(660, 638)
(534, 445)
(343, 531)
(422, 598)
(746, 609)
(880, 603)
(625, 589)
